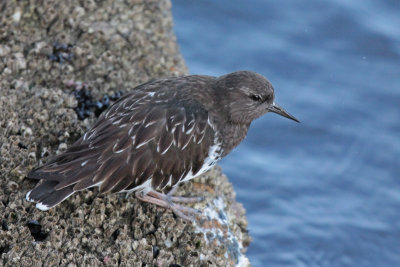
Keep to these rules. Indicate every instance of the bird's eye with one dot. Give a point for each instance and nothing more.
(256, 98)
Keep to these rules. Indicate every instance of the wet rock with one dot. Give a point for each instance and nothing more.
(116, 46)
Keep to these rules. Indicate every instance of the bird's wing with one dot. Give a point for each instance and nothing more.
(141, 136)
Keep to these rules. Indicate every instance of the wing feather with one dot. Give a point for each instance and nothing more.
(134, 141)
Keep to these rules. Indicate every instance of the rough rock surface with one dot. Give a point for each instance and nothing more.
(113, 45)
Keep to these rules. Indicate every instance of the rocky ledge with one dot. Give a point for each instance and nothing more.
(49, 51)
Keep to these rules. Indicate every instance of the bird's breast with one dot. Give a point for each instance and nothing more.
(231, 136)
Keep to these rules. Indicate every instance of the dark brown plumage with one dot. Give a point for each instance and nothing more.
(160, 134)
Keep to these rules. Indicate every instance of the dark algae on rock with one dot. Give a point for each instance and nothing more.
(61, 52)
(46, 49)
(86, 104)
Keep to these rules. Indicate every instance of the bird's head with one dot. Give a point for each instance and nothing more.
(247, 95)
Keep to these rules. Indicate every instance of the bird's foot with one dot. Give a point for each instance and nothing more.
(167, 201)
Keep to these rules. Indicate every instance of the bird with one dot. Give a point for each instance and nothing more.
(156, 136)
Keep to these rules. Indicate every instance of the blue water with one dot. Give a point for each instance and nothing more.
(325, 192)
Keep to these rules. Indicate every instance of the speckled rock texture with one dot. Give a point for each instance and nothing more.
(110, 46)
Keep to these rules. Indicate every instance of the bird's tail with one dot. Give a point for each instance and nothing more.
(47, 196)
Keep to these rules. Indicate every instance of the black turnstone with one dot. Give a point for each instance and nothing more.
(160, 134)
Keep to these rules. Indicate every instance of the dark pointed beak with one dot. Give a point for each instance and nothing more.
(279, 110)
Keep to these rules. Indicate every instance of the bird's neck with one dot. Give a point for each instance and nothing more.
(231, 135)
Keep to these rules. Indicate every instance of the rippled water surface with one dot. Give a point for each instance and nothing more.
(325, 192)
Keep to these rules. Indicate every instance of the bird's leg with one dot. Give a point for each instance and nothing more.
(167, 201)
(181, 199)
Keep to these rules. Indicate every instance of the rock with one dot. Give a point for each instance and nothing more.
(111, 46)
